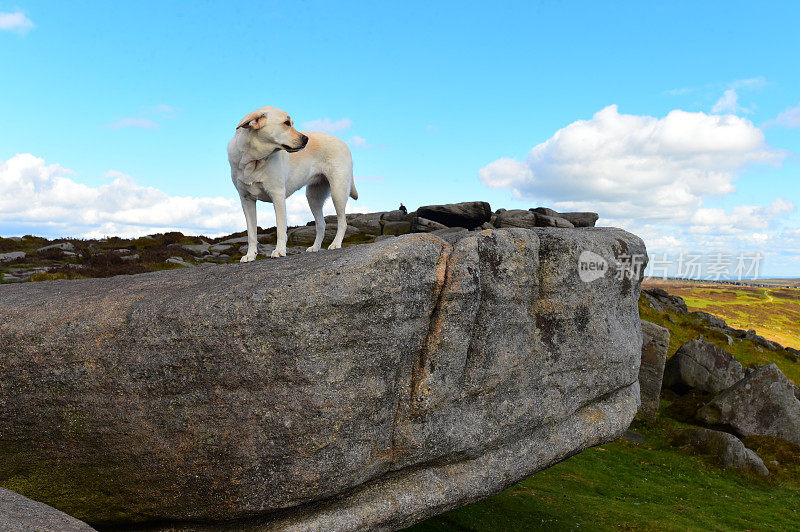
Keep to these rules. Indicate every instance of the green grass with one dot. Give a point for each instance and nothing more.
(773, 312)
(621, 486)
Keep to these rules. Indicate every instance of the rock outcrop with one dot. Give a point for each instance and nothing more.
(469, 214)
(655, 344)
(21, 514)
(662, 301)
(365, 388)
(726, 448)
(704, 366)
(763, 402)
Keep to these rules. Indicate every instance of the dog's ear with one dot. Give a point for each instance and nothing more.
(254, 120)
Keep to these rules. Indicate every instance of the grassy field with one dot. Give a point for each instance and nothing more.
(652, 486)
(774, 313)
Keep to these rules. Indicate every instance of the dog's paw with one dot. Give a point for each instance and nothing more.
(278, 253)
(312, 249)
(248, 258)
(334, 245)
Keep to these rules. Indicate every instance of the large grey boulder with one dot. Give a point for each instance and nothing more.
(764, 403)
(655, 344)
(469, 214)
(363, 388)
(726, 448)
(523, 218)
(63, 246)
(702, 365)
(21, 514)
(580, 219)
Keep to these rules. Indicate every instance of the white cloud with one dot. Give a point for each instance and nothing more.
(790, 118)
(326, 125)
(651, 176)
(740, 219)
(630, 166)
(44, 198)
(16, 21)
(140, 123)
(728, 103)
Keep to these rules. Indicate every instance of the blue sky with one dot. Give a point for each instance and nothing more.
(126, 110)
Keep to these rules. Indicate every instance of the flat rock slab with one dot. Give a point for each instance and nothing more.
(363, 388)
(21, 514)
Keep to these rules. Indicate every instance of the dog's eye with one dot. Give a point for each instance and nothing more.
(287, 123)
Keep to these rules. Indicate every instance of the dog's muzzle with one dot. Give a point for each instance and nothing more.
(303, 143)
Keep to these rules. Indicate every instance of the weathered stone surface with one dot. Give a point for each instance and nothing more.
(21, 514)
(655, 344)
(763, 402)
(702, 365)
(726, 448)
(423, 225)
(468, 214)
(660, 300)
(13, 255)
(394, 216)
(364, 388)
(451, 234)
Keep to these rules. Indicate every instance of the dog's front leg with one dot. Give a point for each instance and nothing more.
(249, 208)
(279, 201)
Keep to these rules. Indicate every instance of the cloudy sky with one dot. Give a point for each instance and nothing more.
(678, 122)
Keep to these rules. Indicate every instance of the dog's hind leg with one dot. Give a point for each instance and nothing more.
(340, 190)
(316, 194)
(249, 208)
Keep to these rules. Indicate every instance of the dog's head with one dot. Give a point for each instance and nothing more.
(273, 126)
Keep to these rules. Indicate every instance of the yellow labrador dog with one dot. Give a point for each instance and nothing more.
(270, 160)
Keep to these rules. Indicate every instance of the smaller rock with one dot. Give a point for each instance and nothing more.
(130, 257)
(401, 227)
(545, 211)
(63, 246)
(655, 344)
(467, 214)
(702, 365)
(793, 354)
(633, 437)
(219, 248)
(394, 216)
(179, 261)
(580, 219)
(487, 225)
(661, 301)
(14, 255)
(763, 403)
(423, 225)
(19, 513)
(304, 236)
(515, 218)
(543, 220)
(726, 448)
(197, 249)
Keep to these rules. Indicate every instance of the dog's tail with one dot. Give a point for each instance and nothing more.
(353, 191)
